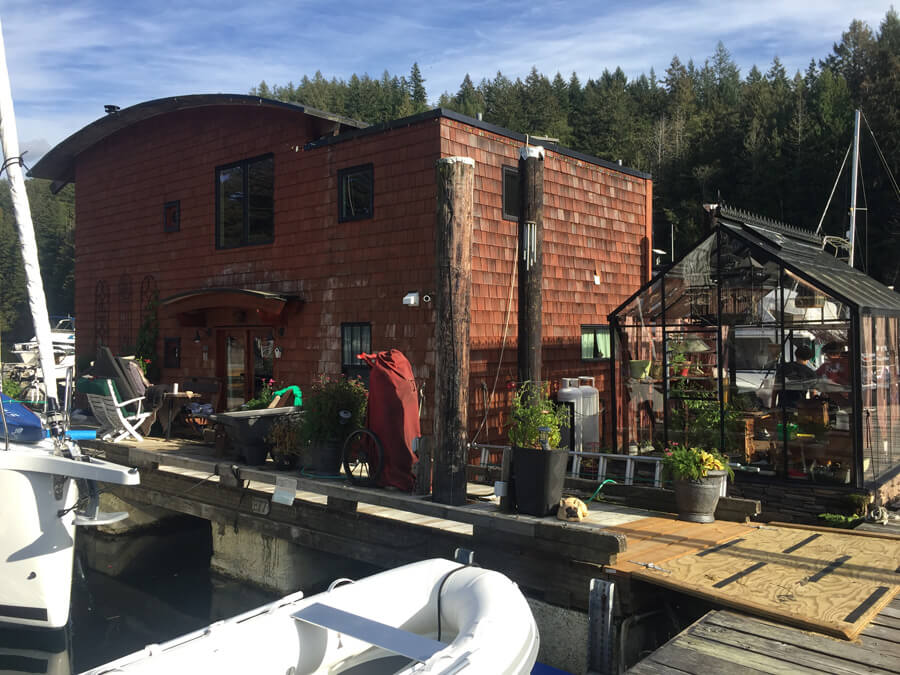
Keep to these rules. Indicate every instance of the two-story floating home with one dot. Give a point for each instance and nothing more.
(280, 241)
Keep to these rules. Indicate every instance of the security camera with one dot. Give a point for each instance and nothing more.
(426, 298)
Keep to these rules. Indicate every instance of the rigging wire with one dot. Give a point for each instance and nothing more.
(836, 180)
(881, 156)
(864, 244)
(512, 285)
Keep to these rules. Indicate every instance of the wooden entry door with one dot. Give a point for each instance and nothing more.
(246, 363)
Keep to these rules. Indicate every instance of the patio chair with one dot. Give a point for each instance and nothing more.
(118, 419)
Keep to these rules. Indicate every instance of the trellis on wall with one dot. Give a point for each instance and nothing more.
(101, 314)
(126, 341)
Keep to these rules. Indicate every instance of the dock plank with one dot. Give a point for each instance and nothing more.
(725, 641)
(801, 640)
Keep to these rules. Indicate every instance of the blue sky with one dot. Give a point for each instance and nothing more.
(69, 58)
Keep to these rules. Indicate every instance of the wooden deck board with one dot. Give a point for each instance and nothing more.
(727, 642)
(822, 581)
(661, 538)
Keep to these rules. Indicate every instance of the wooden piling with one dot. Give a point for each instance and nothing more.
(530, 265)
(455, 177)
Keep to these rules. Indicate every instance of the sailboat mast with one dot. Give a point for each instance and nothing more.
(9, 139)
(854, 172)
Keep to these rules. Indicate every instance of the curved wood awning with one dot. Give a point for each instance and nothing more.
(202, 299)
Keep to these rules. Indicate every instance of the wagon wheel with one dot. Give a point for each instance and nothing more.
(362, 457)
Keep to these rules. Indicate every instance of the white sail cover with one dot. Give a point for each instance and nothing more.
(36, 298)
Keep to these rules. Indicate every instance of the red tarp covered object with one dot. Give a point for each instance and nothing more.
(393, 415)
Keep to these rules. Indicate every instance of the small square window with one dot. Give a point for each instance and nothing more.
(356, 190)
(595, 344)
(172, 216)
(510, 193)
(172, 353)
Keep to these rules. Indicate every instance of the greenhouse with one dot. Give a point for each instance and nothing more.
(765, 344)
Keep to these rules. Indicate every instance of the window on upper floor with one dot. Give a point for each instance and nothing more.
(356, 192)
(510, 193)
(245, 202)
(595, 343)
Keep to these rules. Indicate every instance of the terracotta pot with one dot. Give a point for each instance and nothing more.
(696, 501)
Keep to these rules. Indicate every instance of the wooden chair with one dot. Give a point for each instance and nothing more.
(118, 419)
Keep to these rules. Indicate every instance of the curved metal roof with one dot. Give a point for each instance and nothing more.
(59, 164)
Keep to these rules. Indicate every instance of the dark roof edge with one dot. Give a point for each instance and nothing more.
(478, 124)
(57, 163)
(786, 229)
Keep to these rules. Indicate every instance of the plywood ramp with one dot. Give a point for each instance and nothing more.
(657, 539)
(829, 582)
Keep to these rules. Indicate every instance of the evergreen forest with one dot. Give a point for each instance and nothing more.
(768, 141)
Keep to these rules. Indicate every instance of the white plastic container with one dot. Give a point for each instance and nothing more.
(590, 414)
(570, 393)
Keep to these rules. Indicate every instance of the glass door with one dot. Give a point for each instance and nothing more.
(246, 364)
(235, 369)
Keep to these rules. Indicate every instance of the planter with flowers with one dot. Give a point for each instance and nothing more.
(538, 468)
(248, 429)
(331, 410)
(698, 478)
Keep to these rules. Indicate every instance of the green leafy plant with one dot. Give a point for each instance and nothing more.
(532, 409)
(322, 406)
(264, 398)
(686, 463)
(839, 520)
(12, 388)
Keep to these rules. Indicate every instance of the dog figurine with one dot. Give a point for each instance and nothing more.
(571, 509)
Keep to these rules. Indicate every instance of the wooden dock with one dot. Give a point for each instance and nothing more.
(832, 581)
(728, 642)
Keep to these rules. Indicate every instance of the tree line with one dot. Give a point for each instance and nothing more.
(769, 142)
(54, 230)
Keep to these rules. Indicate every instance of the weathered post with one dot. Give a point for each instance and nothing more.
(531, 238)
(455, 178)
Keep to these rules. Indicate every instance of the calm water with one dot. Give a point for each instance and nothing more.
(166, 591)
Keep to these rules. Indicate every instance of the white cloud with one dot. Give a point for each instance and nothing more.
(68, 59)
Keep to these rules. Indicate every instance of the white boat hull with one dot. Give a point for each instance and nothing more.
(486, 625)
(36, 547)
(37, 529)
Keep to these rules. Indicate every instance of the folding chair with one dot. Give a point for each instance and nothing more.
(118, 419)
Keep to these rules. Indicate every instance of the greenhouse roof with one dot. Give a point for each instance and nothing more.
(801, 252)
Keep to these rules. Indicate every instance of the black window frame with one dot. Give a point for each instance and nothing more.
(172, 216)
(514, 172)
(343, 175)
(245, 165)
(595, 328)
(353, 366)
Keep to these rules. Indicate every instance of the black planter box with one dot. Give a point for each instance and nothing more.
(247, 430)
(538, 478)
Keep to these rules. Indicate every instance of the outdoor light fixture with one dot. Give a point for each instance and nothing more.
(198, 336)
(411, 299)
(544, 437)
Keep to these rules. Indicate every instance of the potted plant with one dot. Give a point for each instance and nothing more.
(248, 429)
(331, 410)
(539, 469)
(284, 441)
(697, 477)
